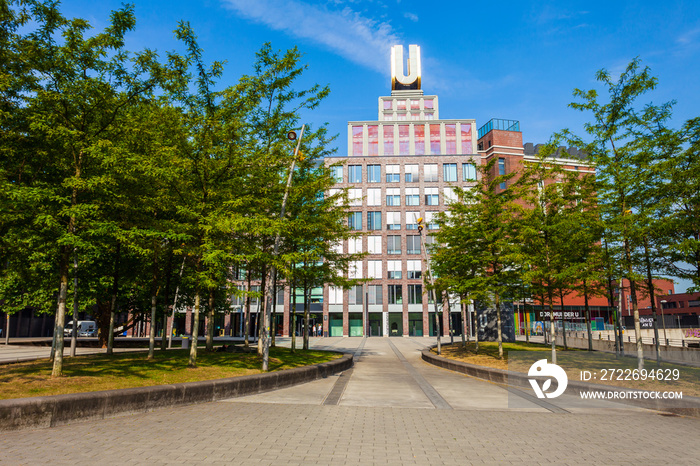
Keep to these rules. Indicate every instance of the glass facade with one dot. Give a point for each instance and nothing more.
(357, 142)
(419, 139)
(372, 140)
(355, 220)
(451, 139)
(435, 140)
(395, 294)
(374, 220)
(388, 140)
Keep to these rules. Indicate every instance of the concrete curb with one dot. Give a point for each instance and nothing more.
(518, 379)
(50, 411)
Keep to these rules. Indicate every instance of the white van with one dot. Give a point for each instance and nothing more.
(86, 328)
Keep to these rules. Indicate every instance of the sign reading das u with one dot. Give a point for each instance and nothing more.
(408, 78)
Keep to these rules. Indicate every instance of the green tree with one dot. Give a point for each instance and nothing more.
(481, 225)
(626, 168)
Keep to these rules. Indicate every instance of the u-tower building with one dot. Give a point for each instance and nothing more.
(402, 166)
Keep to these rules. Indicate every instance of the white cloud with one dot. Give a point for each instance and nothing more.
(411, 16)
(362, 40)
(689, 37)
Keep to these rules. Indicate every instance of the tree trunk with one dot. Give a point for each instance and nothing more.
(210, 321)
(195, 331)
(588, 316)
(154, 303)
(262, 312)
(498, 328)
(464, 323)
(52, 355)
(61, 312)
(619, 346)
(274, 312)
(113, 303)
(552, 332)
(563, 318)
(74, 333)
(166, 300)
(306, 316)
(476, 332)
(635, 307)
(7, 330)
(650, 285)
(246, 325)
(293, 316)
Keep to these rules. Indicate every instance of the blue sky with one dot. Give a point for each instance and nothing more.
(504, 59)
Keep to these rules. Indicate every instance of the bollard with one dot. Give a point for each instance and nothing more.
(185, 342)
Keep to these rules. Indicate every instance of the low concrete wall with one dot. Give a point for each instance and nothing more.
(691, 405)
(49, 411)
(671, 353)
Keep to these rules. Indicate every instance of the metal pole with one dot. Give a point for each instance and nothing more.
(432, 283)
(273, 271)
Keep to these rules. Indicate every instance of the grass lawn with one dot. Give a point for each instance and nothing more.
(520, 356)
(126, 370)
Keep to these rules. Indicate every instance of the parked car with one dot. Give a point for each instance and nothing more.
(85, 328)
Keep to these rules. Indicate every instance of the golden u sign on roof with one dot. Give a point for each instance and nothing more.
(408, 77)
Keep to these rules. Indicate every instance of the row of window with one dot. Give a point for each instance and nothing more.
(375, 269)
(375, 295)
(431, 196)
(393, 220)
(374, 244)
(411, 173)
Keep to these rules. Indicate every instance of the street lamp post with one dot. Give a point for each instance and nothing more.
(273, 272)
(419, 221)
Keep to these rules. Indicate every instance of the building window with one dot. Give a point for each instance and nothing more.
(415, 294)
(393, 220)
(449, 195)
(335, 295)
(393, 174)
(466, 133)
(354, 245)
(374, 294)
(355, 174)
(430, 220)
(419, 139)
(374, 220)
(429, 116)
(414, 269)
(411, 173)
(393, 197)
(432, 196)
(449, 172)
(357, 141)
(393, 244)
(355, 220)
(393, 270)
(337, 174)
(355, 269)
(355, 295)
(430, 172)
(374, 174)
(412, 196)
(355, 197)
(395, 294)
(451, 139)
(403, 139)
(400, 105)
(415, 104)
(412, 220)
(372, 140)
(428, 103)
(388, 131)
(502, 171)
(468, 172)
(374, 197)
(374, 269)
(374, 244)
(429, 242)
(435, 139)
(413, 244)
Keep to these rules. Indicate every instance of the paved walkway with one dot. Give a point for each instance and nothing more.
(391, 408)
